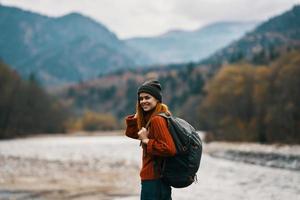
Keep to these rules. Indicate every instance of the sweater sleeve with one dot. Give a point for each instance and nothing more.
(162, 144)
(131, 127)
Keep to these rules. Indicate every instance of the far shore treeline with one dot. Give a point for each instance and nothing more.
(25, 108)
(241, 102)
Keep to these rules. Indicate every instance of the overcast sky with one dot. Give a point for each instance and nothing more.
(129, 18)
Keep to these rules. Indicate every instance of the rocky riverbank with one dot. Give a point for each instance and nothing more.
(277, 156)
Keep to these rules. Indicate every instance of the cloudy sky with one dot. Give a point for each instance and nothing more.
(129, 18)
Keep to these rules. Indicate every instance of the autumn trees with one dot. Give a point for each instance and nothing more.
(254, 103)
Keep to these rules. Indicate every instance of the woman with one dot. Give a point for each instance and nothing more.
(152, 131)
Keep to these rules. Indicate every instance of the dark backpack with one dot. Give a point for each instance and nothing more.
(180, 170)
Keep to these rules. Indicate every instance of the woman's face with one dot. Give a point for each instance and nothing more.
(147, 101)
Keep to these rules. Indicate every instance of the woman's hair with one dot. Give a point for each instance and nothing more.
(141, 121)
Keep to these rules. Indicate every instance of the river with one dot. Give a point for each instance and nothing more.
(107, 167)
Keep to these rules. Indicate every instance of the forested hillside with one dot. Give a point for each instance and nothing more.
(116, 93)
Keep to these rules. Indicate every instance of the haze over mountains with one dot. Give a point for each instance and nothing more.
(268, 41)
(75, 48)
(186, 46)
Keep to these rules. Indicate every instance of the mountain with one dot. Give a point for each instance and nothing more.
(60, 50)
(186, 46)
(267, 42)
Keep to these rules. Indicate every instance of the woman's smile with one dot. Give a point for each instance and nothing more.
(147, 101)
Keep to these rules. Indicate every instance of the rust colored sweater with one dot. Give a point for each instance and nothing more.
(160, 143)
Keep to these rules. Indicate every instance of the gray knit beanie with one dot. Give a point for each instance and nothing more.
(152, 87)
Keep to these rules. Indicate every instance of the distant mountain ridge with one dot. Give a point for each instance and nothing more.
(58, 50)
(186, 46)
(264, 44)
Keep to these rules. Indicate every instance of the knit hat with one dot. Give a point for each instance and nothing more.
(152, 87)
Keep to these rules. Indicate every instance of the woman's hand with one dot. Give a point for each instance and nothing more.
(143, 135)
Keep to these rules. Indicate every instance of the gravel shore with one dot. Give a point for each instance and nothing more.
(64, 167)
(31, 178)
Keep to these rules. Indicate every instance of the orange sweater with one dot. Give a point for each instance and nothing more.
(160, 143)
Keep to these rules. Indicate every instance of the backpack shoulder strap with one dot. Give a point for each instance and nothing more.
(162, 114)
(165, 115)
(148, 124)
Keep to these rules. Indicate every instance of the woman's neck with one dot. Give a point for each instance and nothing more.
(148, 115)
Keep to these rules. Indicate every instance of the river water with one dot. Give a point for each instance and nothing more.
(217, 178)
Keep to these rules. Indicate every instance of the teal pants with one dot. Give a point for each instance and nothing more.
(155, 190)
